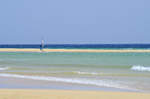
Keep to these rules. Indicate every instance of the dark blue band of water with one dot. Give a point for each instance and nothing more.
(78, 46)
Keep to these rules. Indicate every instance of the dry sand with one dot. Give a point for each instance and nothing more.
(68, 94)
(72, 50)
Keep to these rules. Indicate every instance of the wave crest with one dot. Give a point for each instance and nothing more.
(3, 68)
(86, 73)
(140, 68)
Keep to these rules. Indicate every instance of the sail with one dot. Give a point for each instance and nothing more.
(42, 45)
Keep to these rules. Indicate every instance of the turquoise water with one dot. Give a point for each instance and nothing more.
(117, 70)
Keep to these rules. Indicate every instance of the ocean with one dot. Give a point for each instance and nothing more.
(126, 71)
(79, 46)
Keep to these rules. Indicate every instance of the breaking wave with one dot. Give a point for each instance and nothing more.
(86, 73)
(140, 68)
(3, 68)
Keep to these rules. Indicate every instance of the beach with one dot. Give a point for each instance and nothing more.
(29, 73)
(28, 91)
(73, 50)
(113, 71)
(67, 94)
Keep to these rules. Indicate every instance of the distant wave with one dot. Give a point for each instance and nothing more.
(105, 83)
(86, 73)
(3, 68)
(140, 68)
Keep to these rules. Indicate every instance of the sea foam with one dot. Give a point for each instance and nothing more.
(86, 73)
(140, 68)
(3, 68)
(96, 82)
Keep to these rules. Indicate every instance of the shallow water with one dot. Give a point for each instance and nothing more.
(129, 71)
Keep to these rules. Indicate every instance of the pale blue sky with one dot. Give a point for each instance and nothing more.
(74, 21)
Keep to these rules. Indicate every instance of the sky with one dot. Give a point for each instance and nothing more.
(74, 21)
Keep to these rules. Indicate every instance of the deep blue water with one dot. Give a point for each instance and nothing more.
(78, 46)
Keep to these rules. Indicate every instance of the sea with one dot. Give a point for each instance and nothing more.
(124, 71)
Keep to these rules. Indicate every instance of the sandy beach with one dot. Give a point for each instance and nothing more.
(24, 88)
(67, 94)
(73, 50)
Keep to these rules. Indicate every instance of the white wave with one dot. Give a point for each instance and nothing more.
(86, 73)
(140, 68)
(105, 83)
(3, 68)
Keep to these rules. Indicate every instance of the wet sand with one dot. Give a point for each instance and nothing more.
(17, 83)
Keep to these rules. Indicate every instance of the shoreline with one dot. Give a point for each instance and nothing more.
(76, 50)
(22, 83)
(68, 94)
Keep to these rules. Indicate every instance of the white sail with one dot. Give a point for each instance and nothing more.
(42, 45)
